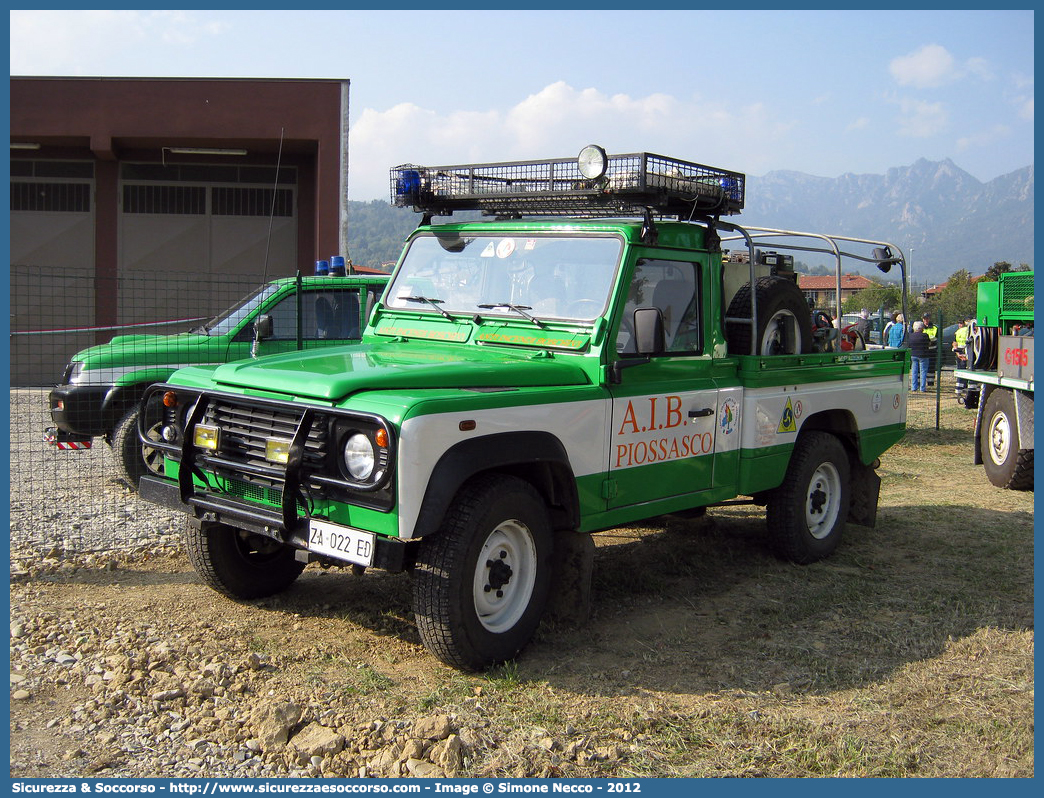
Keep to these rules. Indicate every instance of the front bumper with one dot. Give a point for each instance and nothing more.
(82, 410)
(389, 555)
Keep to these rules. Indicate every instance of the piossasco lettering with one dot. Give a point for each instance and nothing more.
(653, 429)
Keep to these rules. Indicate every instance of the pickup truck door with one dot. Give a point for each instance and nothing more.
(665, 412)
(329, 316)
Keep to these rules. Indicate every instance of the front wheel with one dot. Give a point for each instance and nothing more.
(807, 513)
(1006, 464)
(135, 459)
(240, 564)
(481, 581)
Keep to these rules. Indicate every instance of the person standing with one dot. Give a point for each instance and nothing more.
(969, 348)
(929, 327)
(960, 341)
(959, 346)
(897, 332)
(862, 325)
(932, 331)
(920, 347)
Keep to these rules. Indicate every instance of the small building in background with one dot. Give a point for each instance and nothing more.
(132, 189)
(821, 290)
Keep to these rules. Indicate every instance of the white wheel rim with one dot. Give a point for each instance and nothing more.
(823, 501)
(504, 576)
(1000, 438)
(772, 340)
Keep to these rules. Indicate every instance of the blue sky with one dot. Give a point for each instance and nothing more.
(821, 92)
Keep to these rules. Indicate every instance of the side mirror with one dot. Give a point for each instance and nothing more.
(648, 331)
(263, 327)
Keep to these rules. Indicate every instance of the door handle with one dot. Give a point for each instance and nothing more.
(706, 411)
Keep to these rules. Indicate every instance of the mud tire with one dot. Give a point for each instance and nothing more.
(1006, 464)
(806, 515)
(480, 583)
(133, 458)
(240, 564)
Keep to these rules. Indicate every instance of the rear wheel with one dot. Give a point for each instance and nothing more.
(807, 513)
(481, 581)
(1005, 463)
(240, 564)
(784, 320)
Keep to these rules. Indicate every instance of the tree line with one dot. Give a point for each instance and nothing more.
(954, 301)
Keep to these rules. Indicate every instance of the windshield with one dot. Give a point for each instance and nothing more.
(526, 277)
(230, 319)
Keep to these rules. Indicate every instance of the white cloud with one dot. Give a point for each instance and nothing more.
(984, 138)
(979, 67)
(919, 119)
(1025, 106)
(930, 66)
(556, 122)
(933, 65)
(77, 42)
(861, 123)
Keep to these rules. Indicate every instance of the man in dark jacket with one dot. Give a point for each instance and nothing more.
(920, 348)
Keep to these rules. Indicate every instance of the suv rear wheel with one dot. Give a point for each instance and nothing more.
(807, 513)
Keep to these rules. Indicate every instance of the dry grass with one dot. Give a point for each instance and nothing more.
(909, 653)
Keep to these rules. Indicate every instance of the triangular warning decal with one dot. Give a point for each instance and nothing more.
(787, 422)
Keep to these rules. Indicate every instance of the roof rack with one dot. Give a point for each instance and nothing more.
(593, 185)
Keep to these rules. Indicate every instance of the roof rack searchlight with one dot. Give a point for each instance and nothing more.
(592, 185)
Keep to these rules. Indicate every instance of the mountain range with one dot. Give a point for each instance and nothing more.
(943, 218)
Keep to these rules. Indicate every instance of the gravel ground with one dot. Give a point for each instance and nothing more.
(122, 665)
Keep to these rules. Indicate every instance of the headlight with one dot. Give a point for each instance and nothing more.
(358, 456)
(73, 372)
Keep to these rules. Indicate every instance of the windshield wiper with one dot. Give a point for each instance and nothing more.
(431, 301)
(519, 309)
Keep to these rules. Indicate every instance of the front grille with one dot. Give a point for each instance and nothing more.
(254, 493)
(251, 492)
(245, 428)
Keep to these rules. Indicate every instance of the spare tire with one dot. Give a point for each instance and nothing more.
(784, 319)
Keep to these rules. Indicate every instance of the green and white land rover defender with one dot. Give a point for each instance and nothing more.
(584, 359)
(102, 386)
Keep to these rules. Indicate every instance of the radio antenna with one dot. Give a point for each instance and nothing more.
(271, 214)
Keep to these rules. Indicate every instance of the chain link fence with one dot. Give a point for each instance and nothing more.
(75, 499)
